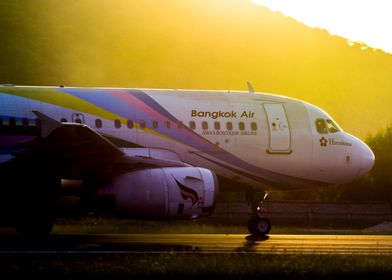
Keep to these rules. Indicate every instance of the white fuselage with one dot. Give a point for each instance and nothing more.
(262, 140)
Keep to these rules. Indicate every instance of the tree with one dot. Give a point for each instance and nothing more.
(377, 184)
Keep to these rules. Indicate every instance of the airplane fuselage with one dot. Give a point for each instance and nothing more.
(261, 140)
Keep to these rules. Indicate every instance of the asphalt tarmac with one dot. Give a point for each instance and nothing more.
(199, 243)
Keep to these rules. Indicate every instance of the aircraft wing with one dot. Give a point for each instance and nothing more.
(111, 179)
(77, 145)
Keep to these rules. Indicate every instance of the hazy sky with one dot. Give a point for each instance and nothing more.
(367, 21)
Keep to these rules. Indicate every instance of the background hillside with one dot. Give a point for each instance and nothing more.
(200, 44)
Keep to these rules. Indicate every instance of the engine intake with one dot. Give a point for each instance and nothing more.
(163, 193)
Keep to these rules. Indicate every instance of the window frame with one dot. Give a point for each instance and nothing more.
(117, 123)
(334, 127)
(322, 128)
(98, 123)
(130, 124)
(167, 124)
(192, 125)
(253, 126)
(142, 124)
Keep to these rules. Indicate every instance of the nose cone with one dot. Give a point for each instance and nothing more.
(367, 159)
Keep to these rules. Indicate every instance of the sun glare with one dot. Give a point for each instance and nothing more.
(357, 20)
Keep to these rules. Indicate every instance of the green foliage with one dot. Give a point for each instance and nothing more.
(377, 184)
(202, 44)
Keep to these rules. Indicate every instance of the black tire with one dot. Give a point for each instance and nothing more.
(259, 226)
(35, 224)
(33, 199)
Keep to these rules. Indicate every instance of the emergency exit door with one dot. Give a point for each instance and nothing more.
(279, 129)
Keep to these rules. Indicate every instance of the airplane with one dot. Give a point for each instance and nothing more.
(164, 154)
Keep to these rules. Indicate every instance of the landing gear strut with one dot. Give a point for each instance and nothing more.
(259, 224)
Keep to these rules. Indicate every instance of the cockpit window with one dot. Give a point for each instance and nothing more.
(332, 127)
(321, 126)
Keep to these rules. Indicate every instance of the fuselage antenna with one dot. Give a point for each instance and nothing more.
(250, 88)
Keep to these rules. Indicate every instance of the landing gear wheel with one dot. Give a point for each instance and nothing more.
(33, 199)
(34, 225)
(259, 226)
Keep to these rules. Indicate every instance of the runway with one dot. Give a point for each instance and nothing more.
(200, 243)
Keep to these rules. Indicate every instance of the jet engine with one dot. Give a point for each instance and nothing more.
(163, 193)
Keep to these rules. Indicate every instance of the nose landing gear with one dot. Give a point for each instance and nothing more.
(259, 224)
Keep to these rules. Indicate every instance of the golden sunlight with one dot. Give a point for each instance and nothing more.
(357, 20)
(204, 44)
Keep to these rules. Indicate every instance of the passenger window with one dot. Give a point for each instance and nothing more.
(332, 127)
(217, 125)
(155, 124)
(25, 122)
(98, 123)
(12, 122)
(321, 126)
(180, 124)
(241, 126)
(142, 124)
(117, 123)
(167, 124)
(204, 125)
(192, 125)
(253, 126)
(229, 126)
(130, 124)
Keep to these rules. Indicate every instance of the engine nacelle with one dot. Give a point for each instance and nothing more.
(163, 193)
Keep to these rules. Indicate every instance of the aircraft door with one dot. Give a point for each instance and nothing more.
(279, 129)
